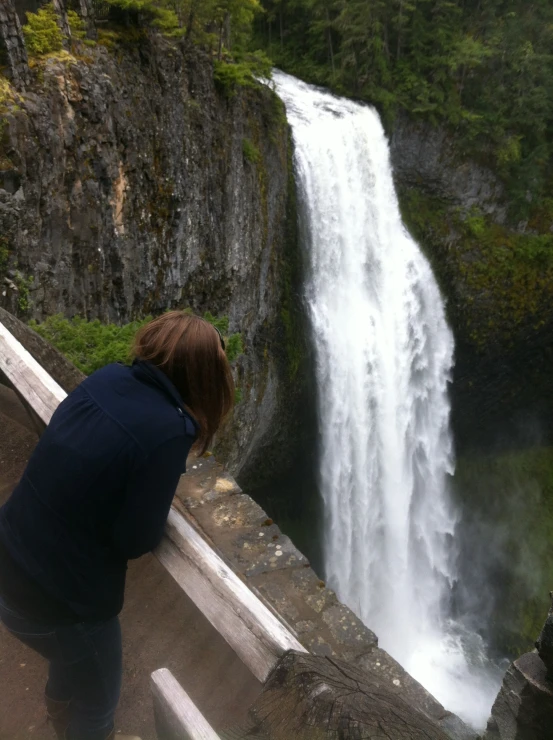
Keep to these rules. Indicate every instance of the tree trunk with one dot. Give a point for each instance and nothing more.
(220, 49)
(11, 37)
(330, 48)
(191, 19)
(399, 24)
(227, 29)
(308, 697)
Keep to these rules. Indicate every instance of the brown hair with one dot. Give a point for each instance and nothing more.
(188, 350)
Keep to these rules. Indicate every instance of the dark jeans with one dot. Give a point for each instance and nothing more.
(85, 667)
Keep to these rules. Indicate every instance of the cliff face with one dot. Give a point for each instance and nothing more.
(497, 281)
(131, 184)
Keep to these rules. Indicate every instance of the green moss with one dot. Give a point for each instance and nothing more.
(291, 269)
(24, 285)
(497, 280)
(4, 254)
(8, 94)
(250, 151)
(510, 500)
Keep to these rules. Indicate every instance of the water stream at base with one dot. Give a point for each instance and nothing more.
(384, 354)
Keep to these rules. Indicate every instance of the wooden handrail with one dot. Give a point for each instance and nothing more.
(250, 628)
(29, 378)
(245, 622)
(176, 715)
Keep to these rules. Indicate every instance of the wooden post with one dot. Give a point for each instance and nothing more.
(250, 628)
(176, 715)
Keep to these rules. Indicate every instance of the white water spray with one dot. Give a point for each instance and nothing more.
(384, 355)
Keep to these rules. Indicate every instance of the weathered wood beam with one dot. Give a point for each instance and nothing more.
(176, 715)
(34, 384)
(311, 697)
(250, 628)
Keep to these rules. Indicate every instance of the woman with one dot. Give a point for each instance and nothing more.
(96, 492)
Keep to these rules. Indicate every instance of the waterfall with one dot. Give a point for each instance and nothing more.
(384, 354)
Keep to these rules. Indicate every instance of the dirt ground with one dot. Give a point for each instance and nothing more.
(161, 628)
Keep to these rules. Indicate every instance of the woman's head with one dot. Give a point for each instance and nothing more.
(189, 351)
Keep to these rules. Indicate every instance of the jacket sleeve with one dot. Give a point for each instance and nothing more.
(150, 490)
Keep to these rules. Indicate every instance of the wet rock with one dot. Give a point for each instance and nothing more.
(523, 709)
(544, 644)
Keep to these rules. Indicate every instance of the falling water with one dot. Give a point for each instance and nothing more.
(384, 354)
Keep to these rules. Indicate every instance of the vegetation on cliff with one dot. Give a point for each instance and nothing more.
(508, 525)
(498, 280)
(484, 69)
(92, 344)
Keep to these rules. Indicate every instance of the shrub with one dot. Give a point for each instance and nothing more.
(234, 347)
(221, 323)
(250, 151)
(77, 25)
(42, 33)
(92, 344)
(89, 344)
(229, 77)
(23, 288)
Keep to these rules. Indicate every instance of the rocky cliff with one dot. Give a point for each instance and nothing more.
(497, 279)
(130, 182)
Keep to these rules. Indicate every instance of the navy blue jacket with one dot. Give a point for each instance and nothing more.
(98, 487)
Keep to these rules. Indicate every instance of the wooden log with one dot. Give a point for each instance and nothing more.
(250, 628)
(176, 715)
(34, 384)
(310, 697)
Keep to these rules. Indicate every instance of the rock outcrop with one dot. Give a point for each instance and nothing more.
(523, 709)
(131, 183)
(496, 277)
(544, 643)
(13, 45)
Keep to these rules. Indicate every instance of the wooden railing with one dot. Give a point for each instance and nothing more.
(249, 627)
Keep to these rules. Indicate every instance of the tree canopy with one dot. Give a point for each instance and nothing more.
(482, 67)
